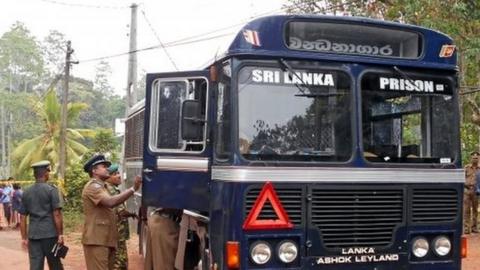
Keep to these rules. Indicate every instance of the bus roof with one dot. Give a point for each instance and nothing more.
(266, 37)
(140, 105)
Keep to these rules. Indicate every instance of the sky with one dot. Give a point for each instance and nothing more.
(99, 28)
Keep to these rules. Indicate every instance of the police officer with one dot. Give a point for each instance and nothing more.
(100, 232)
(470, 199)
(162, 239)
(41, 203)
(121, 254)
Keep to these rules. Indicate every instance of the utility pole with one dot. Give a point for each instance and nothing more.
(131, 97)
(63, 125)
(132, 61)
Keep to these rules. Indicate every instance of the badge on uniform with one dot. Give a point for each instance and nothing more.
(59, 251)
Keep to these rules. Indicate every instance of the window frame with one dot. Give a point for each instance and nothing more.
(429, 73)
(154, 110)
(225, 78)
(421, 35)
(295, 64)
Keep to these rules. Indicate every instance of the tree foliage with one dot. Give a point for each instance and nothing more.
(77, 179)
(21, 61)
(105, 142)
(53, 48)
(29, 70)
(46, 144)
(102, 76)
(105, 106)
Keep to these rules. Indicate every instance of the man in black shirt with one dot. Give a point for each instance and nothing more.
(41, 203)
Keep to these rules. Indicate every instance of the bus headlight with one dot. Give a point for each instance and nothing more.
(260, 252)
(287, 251)
(442, 245)
(420, 247)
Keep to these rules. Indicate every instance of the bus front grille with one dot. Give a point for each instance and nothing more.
(290, 197)
(360, 217)
(434, 205)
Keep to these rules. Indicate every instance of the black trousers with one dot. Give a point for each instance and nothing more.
(38, 249)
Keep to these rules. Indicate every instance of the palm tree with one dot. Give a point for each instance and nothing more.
(47, 145)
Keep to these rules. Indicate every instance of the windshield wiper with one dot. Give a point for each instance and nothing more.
(293, 73)
(305, 91)
(406, 77)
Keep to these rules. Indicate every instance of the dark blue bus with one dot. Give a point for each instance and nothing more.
(314, 142)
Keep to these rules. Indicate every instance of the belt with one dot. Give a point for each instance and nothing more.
(174, 217)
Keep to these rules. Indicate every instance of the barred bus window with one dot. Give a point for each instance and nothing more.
(170, 98)
(134, 136)
(166, 112)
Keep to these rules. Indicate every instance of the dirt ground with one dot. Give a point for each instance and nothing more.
(472, 262)
(13, 257)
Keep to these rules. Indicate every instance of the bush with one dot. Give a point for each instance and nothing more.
(75, 180)
(72, 220)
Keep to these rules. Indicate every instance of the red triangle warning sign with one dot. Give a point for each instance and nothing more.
(253, 223)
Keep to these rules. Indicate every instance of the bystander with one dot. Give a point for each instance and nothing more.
(470, 199)
(16, 204)
(7, 203)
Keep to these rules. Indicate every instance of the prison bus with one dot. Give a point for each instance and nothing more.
(314, 142)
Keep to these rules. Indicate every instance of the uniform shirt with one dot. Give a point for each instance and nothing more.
(122, 222)
(38, 203)
(470, 174)
(100, 226)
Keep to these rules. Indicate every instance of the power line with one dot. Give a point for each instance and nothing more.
(58, 75)
(186, 40)
(83, 5)
(231, 26)
(166, 45)
(158, 39)
(191, 39)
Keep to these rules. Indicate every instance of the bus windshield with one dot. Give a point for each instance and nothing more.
(294, 115)
(408, 118)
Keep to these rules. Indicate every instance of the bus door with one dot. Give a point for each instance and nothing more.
(177, 157)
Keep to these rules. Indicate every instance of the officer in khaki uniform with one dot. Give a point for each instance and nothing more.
(121, 254)
(162, 239)
(470, 199)
(100, 234)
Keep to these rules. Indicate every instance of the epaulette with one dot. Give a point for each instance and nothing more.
(96, 184)
(52, 185)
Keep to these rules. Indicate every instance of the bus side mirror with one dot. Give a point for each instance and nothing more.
(192, 121)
